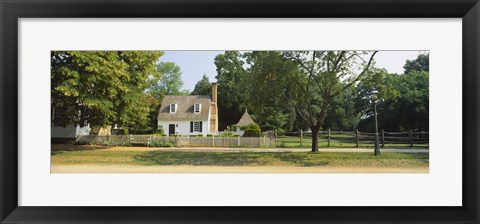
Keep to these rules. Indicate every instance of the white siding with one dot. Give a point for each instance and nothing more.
(239, 131)
(184, 127)
(69, 131)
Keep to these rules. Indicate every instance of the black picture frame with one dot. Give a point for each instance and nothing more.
(11, 11)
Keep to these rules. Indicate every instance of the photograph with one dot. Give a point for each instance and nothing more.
(239, 111)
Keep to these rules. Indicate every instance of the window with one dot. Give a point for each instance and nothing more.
(196, 108)
(173, 108)
(58, 114)
(195, 126)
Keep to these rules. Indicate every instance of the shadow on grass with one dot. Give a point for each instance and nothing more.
(53, 153)
(72, 147)
(229, 159)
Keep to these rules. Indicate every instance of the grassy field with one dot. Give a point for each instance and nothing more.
(336, 141)
(293, 159)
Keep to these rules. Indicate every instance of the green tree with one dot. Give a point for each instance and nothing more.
(169, 83)
(234, 87)
(107, 87)
(203, 87)
(421, 63)
(270, 73)
(405, 104)
(323, 76)
(241, 76)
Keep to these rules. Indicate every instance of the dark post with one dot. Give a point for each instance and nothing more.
(356, 136)
(383, 138)
(377, 149)
(410, 135)
(328, 133)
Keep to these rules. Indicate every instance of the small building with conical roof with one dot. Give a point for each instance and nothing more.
(245, 120)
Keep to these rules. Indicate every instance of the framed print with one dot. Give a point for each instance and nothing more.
(246, 112)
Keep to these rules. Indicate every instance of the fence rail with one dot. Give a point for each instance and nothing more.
(352, 138)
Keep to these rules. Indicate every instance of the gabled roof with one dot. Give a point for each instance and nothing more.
(184, 108)
(245, 120)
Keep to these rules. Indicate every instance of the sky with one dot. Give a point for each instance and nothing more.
(195, 64)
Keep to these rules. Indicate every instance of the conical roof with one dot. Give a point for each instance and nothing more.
(245, 120)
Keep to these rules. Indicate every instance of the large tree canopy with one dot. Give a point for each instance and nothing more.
(421, 63)
(108, 87)
(169, 82)
(292, 83)
(405, 99)
(203, 87)
(323, 76)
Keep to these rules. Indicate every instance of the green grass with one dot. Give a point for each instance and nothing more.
(302, 159)
(336, 141)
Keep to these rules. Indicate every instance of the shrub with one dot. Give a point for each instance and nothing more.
(120, 131)
(162, 143)
(251, 133)
(227, 134)
(160, 130)
(94, 130)
(252, 130)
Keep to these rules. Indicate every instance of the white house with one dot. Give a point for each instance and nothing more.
(68, 132)
(189, 115)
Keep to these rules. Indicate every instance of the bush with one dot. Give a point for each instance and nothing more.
(120, 131)
(252, 130)
(160, 130)
(227, 134)
(174, 135)
(251, 133)
(161, 143)
(94, 130)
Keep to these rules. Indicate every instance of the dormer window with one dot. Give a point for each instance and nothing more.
(173, 108)
(196, 108)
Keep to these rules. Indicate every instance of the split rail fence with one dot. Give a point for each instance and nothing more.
(352, 138)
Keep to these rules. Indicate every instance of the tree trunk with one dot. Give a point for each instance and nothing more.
(315, 140)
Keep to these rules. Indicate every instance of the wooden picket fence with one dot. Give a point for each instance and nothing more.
(178, 141)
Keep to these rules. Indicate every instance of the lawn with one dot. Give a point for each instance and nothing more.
(293, 159)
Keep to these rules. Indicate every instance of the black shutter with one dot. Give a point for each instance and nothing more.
(191, 126)
(201, 126)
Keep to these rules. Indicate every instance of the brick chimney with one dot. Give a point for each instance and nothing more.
(214, 110)
(214, 92)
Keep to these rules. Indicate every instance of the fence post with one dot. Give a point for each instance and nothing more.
(356, 137)
(301, 137)
(213, 140)
(410, 133)
(328, 133)
(238, 143)
(383, 138)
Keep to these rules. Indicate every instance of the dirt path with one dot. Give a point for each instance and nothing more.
(208, 149)
(227, 169)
